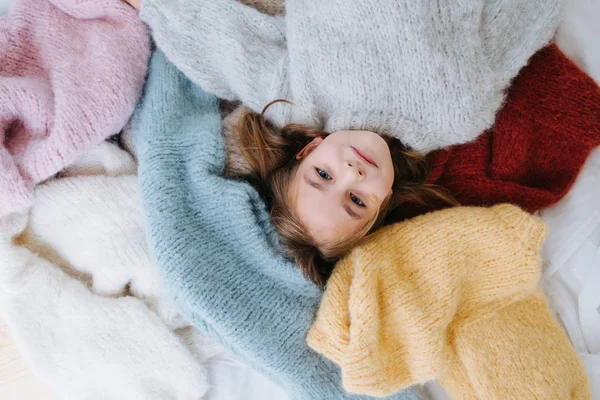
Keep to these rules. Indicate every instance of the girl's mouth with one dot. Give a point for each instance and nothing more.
(365, 157)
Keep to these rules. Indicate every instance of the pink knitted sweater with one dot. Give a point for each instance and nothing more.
(71, 72)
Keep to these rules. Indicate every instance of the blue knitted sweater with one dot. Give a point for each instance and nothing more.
(214, 244)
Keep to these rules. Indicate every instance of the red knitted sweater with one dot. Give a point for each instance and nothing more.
(539, 143)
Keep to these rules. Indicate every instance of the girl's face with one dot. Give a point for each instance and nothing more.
(341, 183)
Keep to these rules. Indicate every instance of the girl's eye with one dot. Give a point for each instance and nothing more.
(323, 174)
(356, 200)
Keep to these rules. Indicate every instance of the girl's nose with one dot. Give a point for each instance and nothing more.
(357, 168)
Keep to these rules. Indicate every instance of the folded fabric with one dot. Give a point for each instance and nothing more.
(431, 73)
(450, 295)
(571, 278)
(212, 237)
(81, 296)
(540, 140)
(71, 72)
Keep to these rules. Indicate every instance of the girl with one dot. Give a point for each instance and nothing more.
(326, 192)
(429, 73)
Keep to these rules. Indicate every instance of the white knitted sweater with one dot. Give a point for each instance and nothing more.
(81, 295)
(431, 73)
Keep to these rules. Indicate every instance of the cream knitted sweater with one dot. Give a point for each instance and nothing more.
(431, 73)
(81, 294)
(453, 296)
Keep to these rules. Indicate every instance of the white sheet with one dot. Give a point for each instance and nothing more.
(571, 277)
(579, 34)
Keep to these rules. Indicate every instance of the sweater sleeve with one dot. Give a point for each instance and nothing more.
(211, 238)
(518, 352)
(540, 141)
(229, 49)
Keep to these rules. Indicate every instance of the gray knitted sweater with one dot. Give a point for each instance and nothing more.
(430, 73)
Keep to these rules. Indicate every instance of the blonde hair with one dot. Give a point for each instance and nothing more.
(271, 155)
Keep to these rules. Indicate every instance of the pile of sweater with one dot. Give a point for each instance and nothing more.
(181, 177)
(78, 277)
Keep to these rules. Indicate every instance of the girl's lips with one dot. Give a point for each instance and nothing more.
(365, 157)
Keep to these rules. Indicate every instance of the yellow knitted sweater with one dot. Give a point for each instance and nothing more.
(450, 295)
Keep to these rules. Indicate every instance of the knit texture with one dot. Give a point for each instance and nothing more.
(212, 240)
(71, 72)
(81, 295)
(430, 73)
(450, 295)
(540, 140)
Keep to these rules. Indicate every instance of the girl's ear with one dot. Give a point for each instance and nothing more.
(306, 150)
